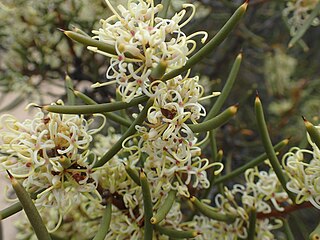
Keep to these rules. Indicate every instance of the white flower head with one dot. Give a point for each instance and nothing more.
(303, 168)
(142, 40)
(49, 153)
(297, 12)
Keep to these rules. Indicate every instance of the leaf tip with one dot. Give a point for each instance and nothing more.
(286, 141)
(153, 220)
(61, 30)
(257, 97)
(9, 174)
(304, 119)
(245, 4)
(67, 33)
(142, 173)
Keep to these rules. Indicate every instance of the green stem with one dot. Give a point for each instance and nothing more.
(212, 44)
(164, 208)
(159, 70)
(300, 226)
(30, 210)
(105, 223)
(226, 89)
(252, 224)
(250, 164)
(11, 210)
(173, 233)
(88, 41)
(217, 106)
(122, 113)
(133, 174)
(209, 212)
(164, 12)
(215, 122)
(287, 230)
(69, 90)
(98, 108)
(213, 144)
(269, 148)
(131, 130)
(147, 203)
(219, 102)
(112, 116)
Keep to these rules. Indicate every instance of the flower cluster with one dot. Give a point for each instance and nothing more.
(278, 71)
(49, 154)
(261, 193)
(142, 40)
(297, 12)
(303, 168)
(126, 195)
(173, 154)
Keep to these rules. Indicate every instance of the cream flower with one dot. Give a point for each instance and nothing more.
(126, 196)
(50, 154)
(172, 153)
(142, 40)
(262, 192)
(303, 168)
(297, 12)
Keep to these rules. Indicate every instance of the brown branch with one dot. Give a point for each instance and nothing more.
(287, 210)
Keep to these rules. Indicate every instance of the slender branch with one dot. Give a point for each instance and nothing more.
(269, 148)
(287, 210)
(250, 164)
(98, 108)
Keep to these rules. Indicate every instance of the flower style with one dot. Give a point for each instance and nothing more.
(297, 12)
(143, 40)
(50, 154)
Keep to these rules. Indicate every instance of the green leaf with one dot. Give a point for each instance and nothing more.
(30, 210)
(269, 148)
